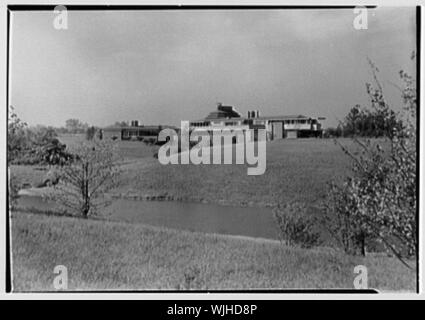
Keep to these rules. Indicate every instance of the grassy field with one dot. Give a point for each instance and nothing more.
(29, 176)
(296, 170)
(118, 255)
(128, 150)
(112, 255)
(32, 175)
(72, 140)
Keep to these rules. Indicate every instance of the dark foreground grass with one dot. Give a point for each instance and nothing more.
(111, 255)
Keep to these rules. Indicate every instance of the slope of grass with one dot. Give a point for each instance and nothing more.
(33, 175)
(29, 175)
(296, 170)
(126, 149)
(111, 255)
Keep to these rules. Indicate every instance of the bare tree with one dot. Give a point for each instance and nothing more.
(86, 180)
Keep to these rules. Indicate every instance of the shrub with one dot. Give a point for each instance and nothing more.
(341, 224)
(192, 278)
(295, 226)
(30, 157)
(53, 152)
(90, 133)
(14, 186)
(34, 145)
(150, 141)
(17, 142)
(379, 198)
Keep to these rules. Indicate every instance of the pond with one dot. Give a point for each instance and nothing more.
(208, 218)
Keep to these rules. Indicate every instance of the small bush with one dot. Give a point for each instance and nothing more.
(340, 222)
(90, 133)
(14, 186)
(192, 278)
(27, 158)
(295, 226)
(149, 141)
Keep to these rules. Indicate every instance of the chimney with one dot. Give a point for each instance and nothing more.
(257, 113)
(134, 123)
(249, 114)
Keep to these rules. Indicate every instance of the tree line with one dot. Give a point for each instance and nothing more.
(374, 122)
(40, 144)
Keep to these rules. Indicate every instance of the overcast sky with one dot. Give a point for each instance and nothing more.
(161, 67)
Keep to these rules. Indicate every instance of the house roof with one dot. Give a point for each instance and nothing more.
(290, 117)
(111, 129)
(224, 112)
(217, 115)
(149, 127)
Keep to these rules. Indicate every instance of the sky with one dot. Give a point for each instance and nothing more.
(161, 67)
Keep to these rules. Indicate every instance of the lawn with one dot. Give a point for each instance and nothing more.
(71, 140)
(118, 255)
(297, 170)
(29, 176)
(125, 149)
(128, 151)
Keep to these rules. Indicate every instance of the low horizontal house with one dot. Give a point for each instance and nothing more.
(134, 132)
(277, 127)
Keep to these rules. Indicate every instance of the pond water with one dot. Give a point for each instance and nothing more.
(208, 218)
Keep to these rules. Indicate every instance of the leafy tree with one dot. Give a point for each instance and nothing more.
(332, 132)
(40, 136)
(387, 122)
(75, 126)
(84, 181)
(90, 133)
(14, 186)
(353, 121)
(34, 145)
(54, 152)
(45, 147)
(121, 124)
(379, 198)
(16, 137)
(377, 121)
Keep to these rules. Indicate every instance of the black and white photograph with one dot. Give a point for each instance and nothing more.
(190, 149)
